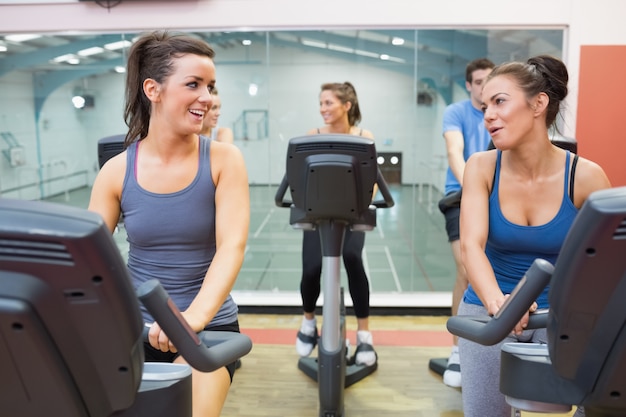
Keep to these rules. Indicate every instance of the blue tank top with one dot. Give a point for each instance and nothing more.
(172, 236)
(512, 248)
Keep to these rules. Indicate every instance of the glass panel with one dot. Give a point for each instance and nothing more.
(269, 83)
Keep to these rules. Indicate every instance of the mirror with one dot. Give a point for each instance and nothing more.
(61, 93)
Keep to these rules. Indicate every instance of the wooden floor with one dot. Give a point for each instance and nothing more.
(269, 382)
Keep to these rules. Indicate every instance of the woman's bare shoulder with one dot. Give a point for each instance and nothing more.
(484, 156)
(589, 177)
(482, 163)
(225, 134)
(367, 134)
(115, 166)
(225, 149)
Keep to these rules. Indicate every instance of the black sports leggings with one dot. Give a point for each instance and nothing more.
(310, 285)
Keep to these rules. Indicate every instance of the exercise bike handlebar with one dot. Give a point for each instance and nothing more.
(489, 331)
(279, 198)
(205, 351)
(386, 202)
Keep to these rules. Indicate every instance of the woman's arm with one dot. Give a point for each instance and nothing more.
(107, 190)
(474, 229)
(454, 151)
(232, 219)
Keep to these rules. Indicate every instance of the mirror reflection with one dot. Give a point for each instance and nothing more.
(60, 94)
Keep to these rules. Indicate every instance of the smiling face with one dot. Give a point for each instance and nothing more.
(332, 109)
(508, 115)
(184, 98)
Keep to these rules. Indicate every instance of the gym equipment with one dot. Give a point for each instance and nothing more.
(71, 332)
(331, 179)
(584, 362)
(439, 365)
(108, 147)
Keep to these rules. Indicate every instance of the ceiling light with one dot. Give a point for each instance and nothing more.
(21, 38)
(366, 53)
(3, 48)
(246, 42)
(120, 69)
(384, 57)
(398, 60)
(340, 48)
(253, 89)
(73, 61)
(114, 46)
(78, 102)
(63, 58)
(91, 51)
(314, 44)
(397, 41)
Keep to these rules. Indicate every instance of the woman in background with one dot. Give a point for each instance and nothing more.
(210, 127)
(339, 107)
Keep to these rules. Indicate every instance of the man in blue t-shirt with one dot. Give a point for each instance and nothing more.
(465, 133)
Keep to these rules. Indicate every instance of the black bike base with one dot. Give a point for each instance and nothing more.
(438, 365)
(354, 373)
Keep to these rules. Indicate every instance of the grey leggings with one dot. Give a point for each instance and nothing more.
(480, 370)
(480, 367)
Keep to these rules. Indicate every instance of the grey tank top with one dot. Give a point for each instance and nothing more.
(172, 236)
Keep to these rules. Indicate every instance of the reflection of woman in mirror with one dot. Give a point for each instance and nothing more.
(210, 127)
(339, 108)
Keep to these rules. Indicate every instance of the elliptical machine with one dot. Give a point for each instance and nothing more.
(331, 179)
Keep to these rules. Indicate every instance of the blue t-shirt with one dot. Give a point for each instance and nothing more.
(468, 120)
(512, 248)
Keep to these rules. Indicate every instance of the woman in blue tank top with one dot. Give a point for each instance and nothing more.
(519, 202)
(184, 199)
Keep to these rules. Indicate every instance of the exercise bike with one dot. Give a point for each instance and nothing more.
(584, 361)
(71, 331)
(331, 180)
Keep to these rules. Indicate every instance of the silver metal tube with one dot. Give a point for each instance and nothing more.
(331, 326)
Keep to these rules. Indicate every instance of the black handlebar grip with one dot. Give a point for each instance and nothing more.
(279, 198)
(489, 331)
(206, 351)
(387, 200)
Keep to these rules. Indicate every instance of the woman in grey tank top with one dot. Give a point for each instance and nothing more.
(184, 199)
